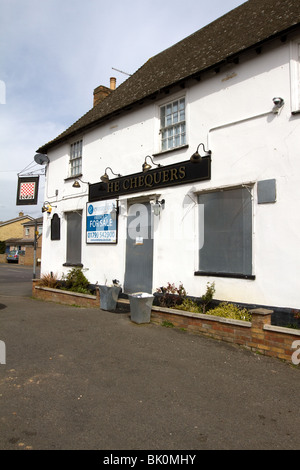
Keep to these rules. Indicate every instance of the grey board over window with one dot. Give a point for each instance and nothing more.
(55, 227)
(74, 234)
(226, 248)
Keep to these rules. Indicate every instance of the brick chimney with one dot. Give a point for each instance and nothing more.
(102, 91)
(113, 81)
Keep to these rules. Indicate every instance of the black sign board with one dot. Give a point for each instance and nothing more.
(27, 193)
(162, 177)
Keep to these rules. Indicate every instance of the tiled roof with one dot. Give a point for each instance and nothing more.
(247, 26)
(31, 223)
(17, 219)
(19, 241)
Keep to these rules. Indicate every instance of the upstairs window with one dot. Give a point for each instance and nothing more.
(172, 125)
(76, 158)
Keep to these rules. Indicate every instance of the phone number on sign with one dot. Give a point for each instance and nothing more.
(102, 235)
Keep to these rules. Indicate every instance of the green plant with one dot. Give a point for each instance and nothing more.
(199, 306)
(229, 310)
(76, 281)
(208, 296)
(293, 326)
(48, 280)
(167, 324)
(190, 305)
(171, 295)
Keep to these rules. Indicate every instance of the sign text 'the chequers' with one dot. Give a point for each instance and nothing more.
(170, 175)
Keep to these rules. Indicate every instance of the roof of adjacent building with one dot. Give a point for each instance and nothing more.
(19, 241)
(31, 223)
(247, 26)
(16, 219)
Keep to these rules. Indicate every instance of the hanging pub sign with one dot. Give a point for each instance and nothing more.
(170, 175)
(27, 192)
(101, 222)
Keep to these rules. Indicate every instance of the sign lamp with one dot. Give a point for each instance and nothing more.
(104, 178)
(147, 166)
(196, 157)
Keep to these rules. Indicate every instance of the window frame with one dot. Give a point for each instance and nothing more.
(182, 134)
(75, 159)
(295, 76)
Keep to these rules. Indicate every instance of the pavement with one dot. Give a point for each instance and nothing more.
(87, 379)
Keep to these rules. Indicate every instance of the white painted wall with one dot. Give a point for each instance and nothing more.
(231, 113)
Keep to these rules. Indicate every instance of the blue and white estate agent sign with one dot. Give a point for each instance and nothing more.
(101, 227)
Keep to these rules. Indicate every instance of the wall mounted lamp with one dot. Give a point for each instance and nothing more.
(76, 183)
(196, 157)
(104, 178)
(278, 103)
(157, 206)
(47, 207)
(147, 166)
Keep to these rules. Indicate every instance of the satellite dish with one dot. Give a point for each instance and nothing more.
(41, 159)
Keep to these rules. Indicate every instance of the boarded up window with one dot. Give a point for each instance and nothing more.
(55, 227)
(74, 222)
(227, 231)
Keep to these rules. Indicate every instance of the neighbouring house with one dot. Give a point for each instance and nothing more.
(26, 243)
(189, 171)
(12, 228)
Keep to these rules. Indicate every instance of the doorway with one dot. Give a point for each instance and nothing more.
(139, 249)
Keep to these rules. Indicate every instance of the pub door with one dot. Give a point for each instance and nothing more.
(139, 249)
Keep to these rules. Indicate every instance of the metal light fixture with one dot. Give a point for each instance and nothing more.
(47, 207)
(105, 178)
(196, 157)
(76, 183)
(115, 211)
(147, 166)
(158, 206)
(278, 103)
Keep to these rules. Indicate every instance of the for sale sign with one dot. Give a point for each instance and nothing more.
(27, 193)
(101, 222)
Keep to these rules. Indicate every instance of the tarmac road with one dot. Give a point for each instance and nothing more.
(87, 379)
(16, 279)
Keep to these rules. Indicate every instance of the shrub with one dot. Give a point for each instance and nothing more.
(171, 295)
(208, 296)
(228, 310)
(48, 280)
(198, 306)
(190, 305)
(76, 281)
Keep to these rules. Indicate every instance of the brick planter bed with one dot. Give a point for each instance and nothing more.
(64, 296)
(258, 335)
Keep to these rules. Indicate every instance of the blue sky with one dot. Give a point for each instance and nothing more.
(53, 53)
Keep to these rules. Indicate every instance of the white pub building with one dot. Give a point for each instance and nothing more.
(189, 171)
